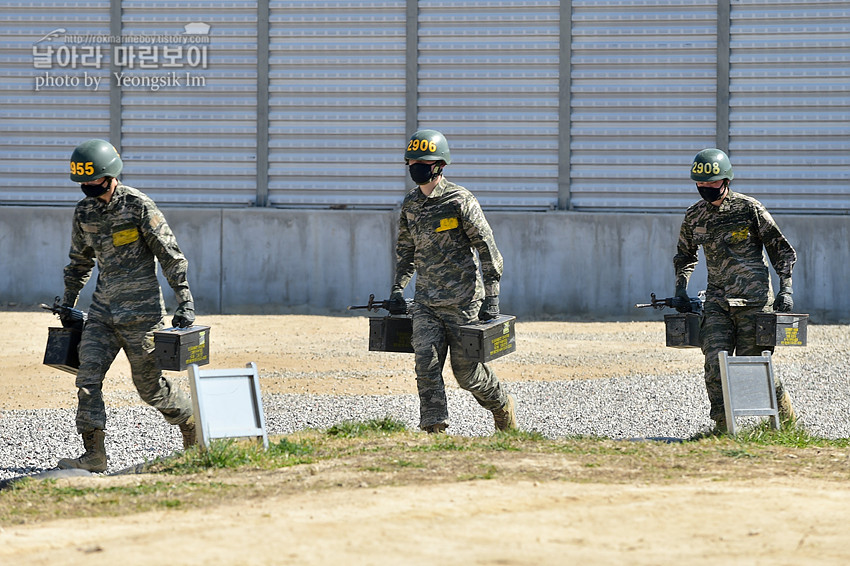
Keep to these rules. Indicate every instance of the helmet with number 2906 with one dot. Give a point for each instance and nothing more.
(428, 145)
(95, 159)
(711, 165)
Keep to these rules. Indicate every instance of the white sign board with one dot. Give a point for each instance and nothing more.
(227, 403)
(748, 387)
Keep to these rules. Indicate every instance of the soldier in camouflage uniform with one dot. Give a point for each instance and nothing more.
(733, 229)
(125, 232)
(440, 226)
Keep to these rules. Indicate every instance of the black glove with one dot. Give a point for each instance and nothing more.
(184, 316)
(67, 317)
(681, 301)
(489, 308)
(784, 302)
(396, 304)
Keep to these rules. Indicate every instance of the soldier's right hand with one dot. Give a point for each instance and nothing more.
(681, 301)
(396, 303)
(784, 302)
(184, 315)
(489, 308)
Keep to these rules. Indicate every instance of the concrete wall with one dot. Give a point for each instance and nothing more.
(582, 265)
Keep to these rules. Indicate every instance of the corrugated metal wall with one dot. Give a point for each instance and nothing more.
(488, 79)
(43, 116)
(194, 142)
(642, 76)
(643, 101)
(790, 103)
(336, 103)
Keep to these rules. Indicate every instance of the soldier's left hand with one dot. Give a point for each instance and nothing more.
(489, 308)
(66, 317)
(184, 316)
(783, 302)
(396, 303)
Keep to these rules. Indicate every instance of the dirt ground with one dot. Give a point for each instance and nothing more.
(329, 355)
(556, 514)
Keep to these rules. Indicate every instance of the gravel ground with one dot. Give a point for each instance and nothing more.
(625, 407)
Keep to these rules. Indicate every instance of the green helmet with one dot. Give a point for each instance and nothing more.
(711, 165)
(94, 159)
(428, 145)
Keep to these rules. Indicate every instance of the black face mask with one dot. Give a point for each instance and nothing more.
(424, 173)
(94, 190)
(710, 194)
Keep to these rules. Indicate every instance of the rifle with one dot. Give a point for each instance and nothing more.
(70, 317)
(374, 305)
(692, 304)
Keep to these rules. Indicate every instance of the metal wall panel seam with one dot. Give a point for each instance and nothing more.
(564, 104)
(724, 23)
(262, 150)
(411, 108)
(115, 117)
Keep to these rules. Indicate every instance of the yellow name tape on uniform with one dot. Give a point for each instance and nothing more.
(739, 236)
(447, 224)
(124, 237)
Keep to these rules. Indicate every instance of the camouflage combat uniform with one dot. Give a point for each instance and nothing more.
(125, 236)
(436, 238)
(733, 237)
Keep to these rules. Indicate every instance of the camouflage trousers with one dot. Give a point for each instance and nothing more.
(99, 345)
(435, 333)
(732, 329)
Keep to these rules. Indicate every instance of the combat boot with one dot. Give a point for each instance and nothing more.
(505, 418)
(786, 410)
(93, 459)
(187, 429)
(720, 425)
(436, 428)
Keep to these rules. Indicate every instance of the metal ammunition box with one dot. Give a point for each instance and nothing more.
(489, 339)
(682, 330)
(781, 329)
(62, 350)
(390, 334)
(177, 348)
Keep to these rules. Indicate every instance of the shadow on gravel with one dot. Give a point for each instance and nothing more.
(665, 439)
(55, 473)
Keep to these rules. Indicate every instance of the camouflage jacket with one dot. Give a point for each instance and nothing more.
(733, 237)
(436, 238)
(125, 236)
